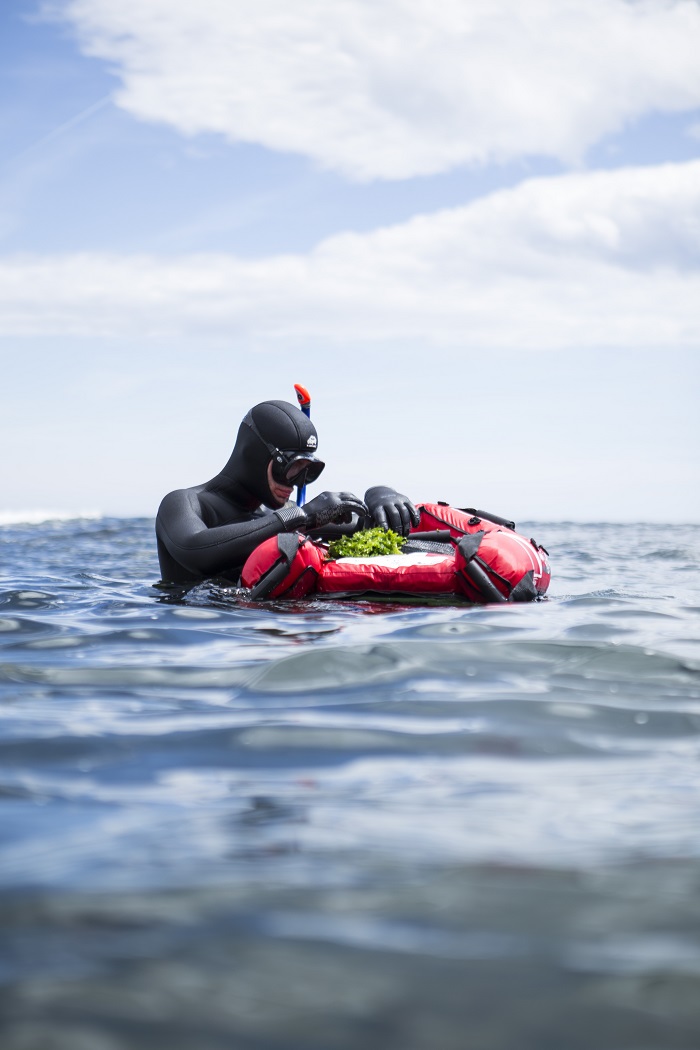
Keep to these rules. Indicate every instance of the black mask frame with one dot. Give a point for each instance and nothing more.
(289, 466)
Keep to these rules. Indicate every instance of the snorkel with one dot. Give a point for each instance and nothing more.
(304, 399)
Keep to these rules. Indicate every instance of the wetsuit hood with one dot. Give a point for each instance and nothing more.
(279, 424)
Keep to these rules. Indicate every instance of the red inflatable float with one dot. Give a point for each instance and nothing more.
(468, 553)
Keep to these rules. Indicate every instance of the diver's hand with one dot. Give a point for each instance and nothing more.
(332, 506)
(390, 510)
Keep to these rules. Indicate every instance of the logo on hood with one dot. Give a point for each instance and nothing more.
(311, 442)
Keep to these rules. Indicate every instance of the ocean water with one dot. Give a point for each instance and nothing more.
(349, 825)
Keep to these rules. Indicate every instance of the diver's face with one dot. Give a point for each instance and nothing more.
(281, 491)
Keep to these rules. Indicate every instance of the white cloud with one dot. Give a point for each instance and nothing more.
(402, 87)
(601, 259)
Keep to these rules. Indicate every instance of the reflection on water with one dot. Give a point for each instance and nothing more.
(348, 824)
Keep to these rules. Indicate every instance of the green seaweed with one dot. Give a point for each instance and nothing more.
(366, 544)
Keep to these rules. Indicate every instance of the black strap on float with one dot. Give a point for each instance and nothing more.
(525, 590)
(288, 544)
(468, 547)
(434, 536)
(495, 518)
(435, 541)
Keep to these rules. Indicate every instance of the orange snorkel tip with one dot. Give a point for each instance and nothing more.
(303, 396)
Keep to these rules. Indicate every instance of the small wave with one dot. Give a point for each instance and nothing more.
(38, 517)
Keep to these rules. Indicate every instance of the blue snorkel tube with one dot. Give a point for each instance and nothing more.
(304, 399)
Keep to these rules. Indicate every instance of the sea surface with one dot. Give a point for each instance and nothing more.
(348, 825)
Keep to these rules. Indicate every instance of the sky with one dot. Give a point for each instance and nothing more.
(471, 229)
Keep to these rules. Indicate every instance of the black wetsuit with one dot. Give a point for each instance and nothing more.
(210, 529)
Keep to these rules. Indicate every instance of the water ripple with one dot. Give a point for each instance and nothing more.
(334, 824)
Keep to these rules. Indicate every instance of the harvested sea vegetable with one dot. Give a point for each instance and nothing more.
(366, 544)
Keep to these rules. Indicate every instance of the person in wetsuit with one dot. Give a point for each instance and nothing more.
(211, 529)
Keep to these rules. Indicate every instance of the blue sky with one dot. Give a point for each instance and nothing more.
(473, 231)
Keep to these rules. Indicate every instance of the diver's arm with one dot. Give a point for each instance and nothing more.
(205, 551)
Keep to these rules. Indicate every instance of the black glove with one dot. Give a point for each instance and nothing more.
(332, 506)
(390, 510)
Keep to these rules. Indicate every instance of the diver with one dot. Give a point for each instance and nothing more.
(211, 529)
